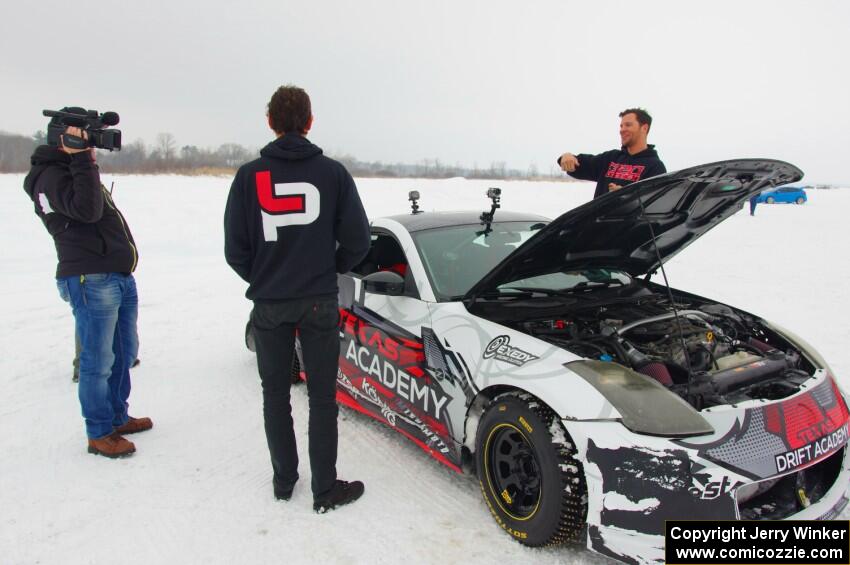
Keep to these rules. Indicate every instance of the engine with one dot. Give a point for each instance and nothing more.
(707, 353)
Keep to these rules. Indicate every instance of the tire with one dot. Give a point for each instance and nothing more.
(249, 337)
(531, 481)
(296, 368)
(800, 200)
(770, 200)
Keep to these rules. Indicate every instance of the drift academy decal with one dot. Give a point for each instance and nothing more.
(812, 425)
(381, 373)
(285, 204)
(790, 434)
(500, 348)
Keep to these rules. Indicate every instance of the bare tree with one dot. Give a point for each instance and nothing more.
(233, 154)
(166, 145)
(15, 151)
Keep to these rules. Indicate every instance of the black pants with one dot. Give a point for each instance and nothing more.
(317, 321)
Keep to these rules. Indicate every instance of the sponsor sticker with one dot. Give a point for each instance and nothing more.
(813, 451)
(500, 348)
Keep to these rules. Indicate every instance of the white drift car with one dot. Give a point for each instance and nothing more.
(592, 402)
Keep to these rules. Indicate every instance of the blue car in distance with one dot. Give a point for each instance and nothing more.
(783, 194)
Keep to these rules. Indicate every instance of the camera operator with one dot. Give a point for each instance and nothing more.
(96, 258)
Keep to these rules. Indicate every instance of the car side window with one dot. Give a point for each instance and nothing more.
(385, 254)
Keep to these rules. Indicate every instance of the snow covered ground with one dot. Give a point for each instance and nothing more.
(199, 488)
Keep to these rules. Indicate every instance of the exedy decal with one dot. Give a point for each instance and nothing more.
(500, 349)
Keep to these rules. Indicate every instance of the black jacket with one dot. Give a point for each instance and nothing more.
(618, 167)
(90, 234)
(285, 213)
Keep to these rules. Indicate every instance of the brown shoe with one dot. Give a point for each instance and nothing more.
(134, 426)
(112, 445)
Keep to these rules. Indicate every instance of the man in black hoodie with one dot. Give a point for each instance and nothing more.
(612, 170)
(97, 256)
(293, 221)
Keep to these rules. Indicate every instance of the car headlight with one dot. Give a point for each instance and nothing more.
(647, 407)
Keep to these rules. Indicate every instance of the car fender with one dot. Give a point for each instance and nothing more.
(499, 358)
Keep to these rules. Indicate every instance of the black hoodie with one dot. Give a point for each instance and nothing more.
(90, 234)
(618, 167)
(285, 214)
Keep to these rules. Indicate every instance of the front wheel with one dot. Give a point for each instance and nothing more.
(800, 200)
(530, 479)
(770, 200)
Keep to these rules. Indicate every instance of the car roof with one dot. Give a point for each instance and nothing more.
(431, 220)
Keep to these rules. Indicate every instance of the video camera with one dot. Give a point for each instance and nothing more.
(96, 125)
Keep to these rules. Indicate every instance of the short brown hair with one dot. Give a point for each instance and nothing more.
(289, 110)
(642, 115)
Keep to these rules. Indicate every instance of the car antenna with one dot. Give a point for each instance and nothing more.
(494, 194)
(669, 292)
(413, 196)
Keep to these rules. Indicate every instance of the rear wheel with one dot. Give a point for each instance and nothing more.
(296, 368)
(770, 200)
(529, 476)
(800, 200)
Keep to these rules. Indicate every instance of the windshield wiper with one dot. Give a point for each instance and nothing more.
(598, 284)
(531, 290)
(584, 285)
(498, 293)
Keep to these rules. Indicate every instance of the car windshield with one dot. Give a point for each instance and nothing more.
(457, 257)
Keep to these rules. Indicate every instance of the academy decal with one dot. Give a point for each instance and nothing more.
(285, 204)
(500, 349)
(382, 373)
(414, 390)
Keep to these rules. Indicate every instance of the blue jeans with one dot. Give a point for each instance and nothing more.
(106, 308)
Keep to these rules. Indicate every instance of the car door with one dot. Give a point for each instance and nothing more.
(383, 369)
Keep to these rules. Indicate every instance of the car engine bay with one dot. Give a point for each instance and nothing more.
(707, 353)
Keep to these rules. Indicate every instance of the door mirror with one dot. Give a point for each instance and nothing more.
(384, 282)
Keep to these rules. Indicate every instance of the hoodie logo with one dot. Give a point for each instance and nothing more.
(621, 171)
(285, 204)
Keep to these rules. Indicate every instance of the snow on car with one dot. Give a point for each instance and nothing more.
(592, 401)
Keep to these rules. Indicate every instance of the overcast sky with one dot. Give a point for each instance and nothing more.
(462, 81)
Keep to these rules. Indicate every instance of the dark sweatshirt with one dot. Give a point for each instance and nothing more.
(286, 213)
(90, 234)
(618, 167)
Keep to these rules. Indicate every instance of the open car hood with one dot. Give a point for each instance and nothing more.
(613, 230)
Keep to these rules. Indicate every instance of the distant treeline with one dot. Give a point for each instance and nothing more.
(167, 156)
